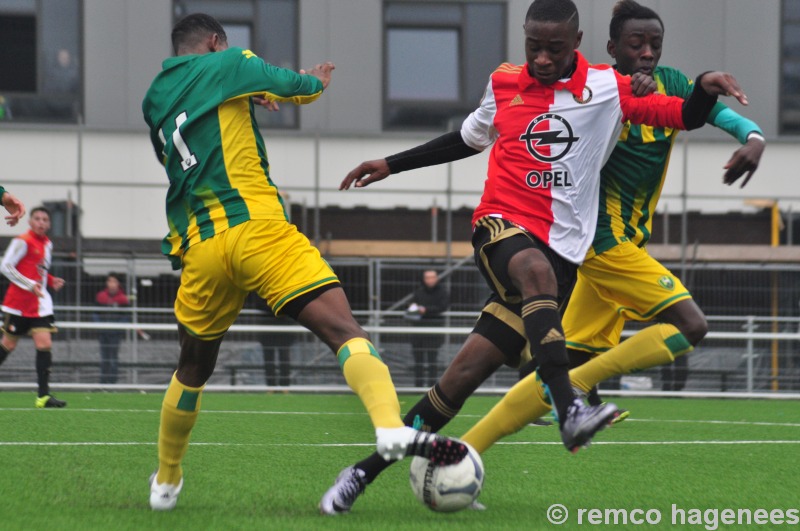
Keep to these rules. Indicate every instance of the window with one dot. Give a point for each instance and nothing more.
(790, 68)
(268, 28)
(437, 60)
(40, 42)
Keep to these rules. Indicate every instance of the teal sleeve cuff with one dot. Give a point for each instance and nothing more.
(733, 123)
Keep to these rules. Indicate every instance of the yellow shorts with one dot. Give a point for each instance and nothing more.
(269, 257)
(623, 283)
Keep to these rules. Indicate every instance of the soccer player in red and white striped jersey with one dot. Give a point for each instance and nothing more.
(27, 306)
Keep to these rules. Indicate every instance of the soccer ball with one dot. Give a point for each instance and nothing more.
(447, 488)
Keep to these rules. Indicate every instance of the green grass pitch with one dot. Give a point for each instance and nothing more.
(262, 461)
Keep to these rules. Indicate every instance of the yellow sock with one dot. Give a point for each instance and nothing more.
(178, 415)
(369, 378)
(655, 345)
(524, 403)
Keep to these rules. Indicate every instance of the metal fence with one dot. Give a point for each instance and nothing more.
(753, 345)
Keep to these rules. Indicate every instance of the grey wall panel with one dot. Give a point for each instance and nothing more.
(125, 43)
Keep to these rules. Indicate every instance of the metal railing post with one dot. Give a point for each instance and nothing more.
(750, 326)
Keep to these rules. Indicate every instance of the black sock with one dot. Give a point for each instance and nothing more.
(593, 397)
(4, 352)
(44, 359)
(546, 336)
(576, 359)
(431, 413)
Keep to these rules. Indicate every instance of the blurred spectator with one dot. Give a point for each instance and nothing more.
(429, 303)
(111, 297)
(62, 75)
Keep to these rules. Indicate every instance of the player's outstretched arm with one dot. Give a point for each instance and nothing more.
(723, 84)
(366, 173)
(744, 160)
(447, 148)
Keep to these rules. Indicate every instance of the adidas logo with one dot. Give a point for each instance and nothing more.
(552, 336)
(516, 101)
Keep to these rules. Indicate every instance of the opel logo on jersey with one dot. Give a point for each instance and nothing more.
(548, 137)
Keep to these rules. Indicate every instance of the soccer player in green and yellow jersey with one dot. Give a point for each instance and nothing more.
(619, 280)
(229, 233)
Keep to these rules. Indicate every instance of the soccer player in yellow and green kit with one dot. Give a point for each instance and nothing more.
(619, 280)
(229, 233)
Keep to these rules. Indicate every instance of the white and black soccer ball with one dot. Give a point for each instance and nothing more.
(447, 488)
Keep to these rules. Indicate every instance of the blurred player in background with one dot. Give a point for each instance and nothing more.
(555, 72)
(230, 235)
(27, 306)
(619, 280)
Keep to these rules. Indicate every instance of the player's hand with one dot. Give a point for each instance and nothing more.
(723, 84)
(267, 103)
(642, 84)
(14, 207)
(322, 72)
(58, 283)
(38, 290)
(744, 160)
(366, 173)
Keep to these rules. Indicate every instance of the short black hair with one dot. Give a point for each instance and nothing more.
(553, 11)
(193, 28)
(40, 209)
(626, 10)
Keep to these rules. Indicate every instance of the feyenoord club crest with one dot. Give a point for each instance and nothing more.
(549, 137)
(586, 96)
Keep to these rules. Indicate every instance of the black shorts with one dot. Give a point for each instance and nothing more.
(496, 240)
(16, 325)
(295, 306)
(500, 323)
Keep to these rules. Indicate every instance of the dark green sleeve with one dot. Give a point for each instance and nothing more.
(245, 73)
(2, 191)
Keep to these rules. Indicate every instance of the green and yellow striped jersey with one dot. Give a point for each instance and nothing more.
(205, 134)
(632, 179)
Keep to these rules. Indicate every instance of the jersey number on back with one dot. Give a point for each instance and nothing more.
(188, 158)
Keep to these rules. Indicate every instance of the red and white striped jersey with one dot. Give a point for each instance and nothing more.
(550, 142)
(26, 263)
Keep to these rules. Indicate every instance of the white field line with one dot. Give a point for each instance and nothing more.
(344, 445)
(361, 413)
(316, 413)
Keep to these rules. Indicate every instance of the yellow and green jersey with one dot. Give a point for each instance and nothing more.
(205, 134)
(632, 179)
